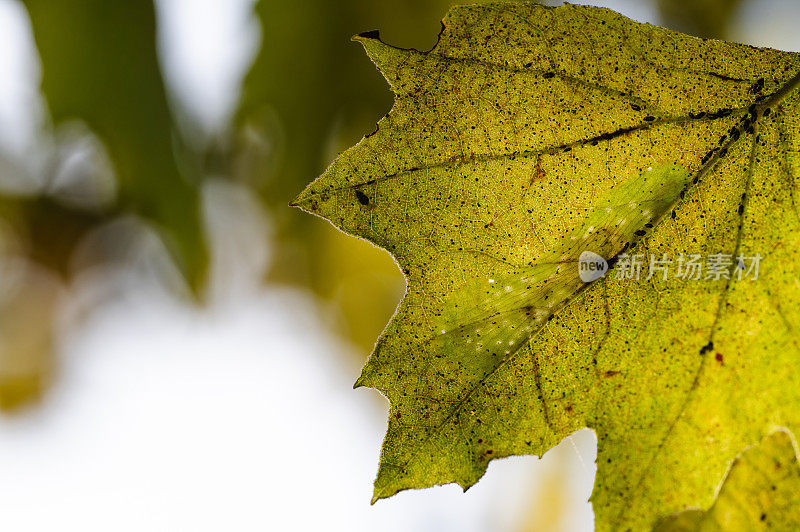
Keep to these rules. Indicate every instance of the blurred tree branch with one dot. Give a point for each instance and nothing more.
(100, 65)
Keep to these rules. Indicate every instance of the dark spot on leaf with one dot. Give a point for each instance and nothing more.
(706, 348)
(539, 173)
(362, 198)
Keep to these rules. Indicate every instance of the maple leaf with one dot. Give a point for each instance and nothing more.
(525, 133)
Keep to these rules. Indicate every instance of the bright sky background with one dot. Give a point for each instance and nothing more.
(240, 416)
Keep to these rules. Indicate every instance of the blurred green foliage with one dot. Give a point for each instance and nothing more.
(100, 65)
(702, 18)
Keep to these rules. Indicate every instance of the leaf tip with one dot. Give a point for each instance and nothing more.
(307, 200)
(382, 492)
(364, 380)
(386, 57)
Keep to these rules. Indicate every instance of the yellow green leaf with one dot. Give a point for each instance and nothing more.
(518, 131)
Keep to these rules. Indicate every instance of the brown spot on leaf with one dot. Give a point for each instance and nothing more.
(539, 173)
